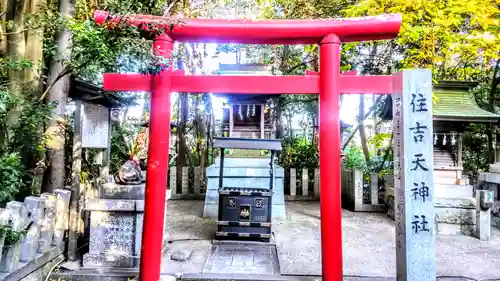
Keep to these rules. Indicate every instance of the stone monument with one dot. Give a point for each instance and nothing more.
(116, 215)
(116, 219)
(413, 176)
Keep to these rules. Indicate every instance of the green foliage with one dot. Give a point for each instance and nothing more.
(21, 143)
(298, 152)
(475, 149)
(122, 142)
(456, 39)
(353, 159)
(381, 162)
(11, 175)
(97, 49)
(13, 236)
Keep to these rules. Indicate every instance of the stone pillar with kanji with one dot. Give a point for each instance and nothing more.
(413, 176)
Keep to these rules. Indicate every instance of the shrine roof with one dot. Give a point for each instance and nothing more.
(90, 93)
(456, 103)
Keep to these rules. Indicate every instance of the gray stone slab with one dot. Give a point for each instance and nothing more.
(139, 220)
(461, 203)
(119, 191)
(414, 176)
(117, 205)
(29, 244)
(455, 229)
(495, 168)
(91, 260)
(243, 162)
(36, 269)
(62, 215)
(241, 182)
(242, 259)
(489, 177)
(456, 216)
(18, 215)
(48, 222)
(229, 172)
(112, 233)
(454, 191)
(483, 214)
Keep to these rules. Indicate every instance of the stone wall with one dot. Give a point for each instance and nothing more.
(454, 204)
(352, 185)
(45, 221)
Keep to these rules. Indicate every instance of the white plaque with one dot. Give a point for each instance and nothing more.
(95, 126)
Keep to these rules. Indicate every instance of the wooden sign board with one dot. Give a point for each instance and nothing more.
(95, 126)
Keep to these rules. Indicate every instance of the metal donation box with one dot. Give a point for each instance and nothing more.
(245, 212)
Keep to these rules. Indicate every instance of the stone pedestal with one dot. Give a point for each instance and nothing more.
(244, 173)
(116, 227)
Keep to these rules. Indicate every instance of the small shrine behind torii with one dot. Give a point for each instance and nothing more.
(454, 109)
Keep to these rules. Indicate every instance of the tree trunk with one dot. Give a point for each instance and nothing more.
(202, 134)
(362, 135)
(16, 51)
(34, 53)
(3, 28)
(181, 130)
(355, 130)
(34, 49)
(58, 94)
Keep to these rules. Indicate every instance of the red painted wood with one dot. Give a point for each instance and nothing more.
(157, 168)
(329, 159)
(267, 31)
(309, 84)
(352, 72)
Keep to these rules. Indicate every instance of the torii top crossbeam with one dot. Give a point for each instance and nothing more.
(267, 31)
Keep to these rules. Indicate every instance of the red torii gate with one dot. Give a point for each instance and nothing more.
(329, 84)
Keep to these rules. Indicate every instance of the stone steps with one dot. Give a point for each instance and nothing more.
(445, 176)
(448, 192)
(454, 191)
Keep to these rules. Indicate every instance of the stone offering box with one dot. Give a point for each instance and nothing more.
(244, 212)
(116, 226)
(245, 173)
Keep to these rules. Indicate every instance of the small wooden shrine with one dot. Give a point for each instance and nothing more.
(246, 116)
(453, 110)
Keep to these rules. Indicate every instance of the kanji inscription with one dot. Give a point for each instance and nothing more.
(414, 178)
(95, 126)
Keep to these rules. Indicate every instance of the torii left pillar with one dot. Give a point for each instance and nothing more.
(157, 168)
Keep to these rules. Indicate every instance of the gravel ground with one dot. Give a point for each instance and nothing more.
(368, 245)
